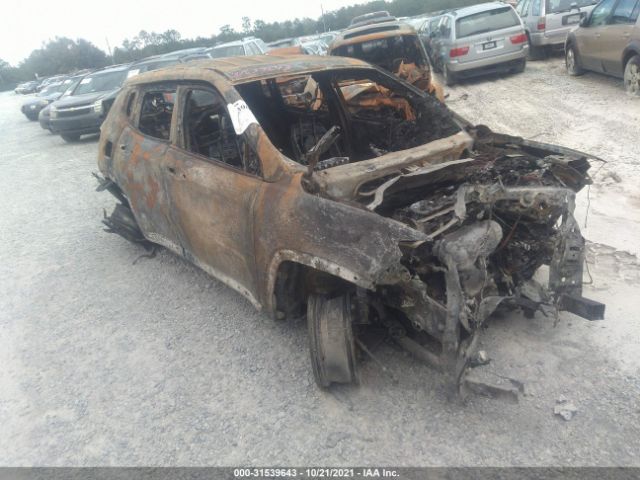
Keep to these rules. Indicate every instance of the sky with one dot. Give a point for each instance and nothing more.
(26, 25)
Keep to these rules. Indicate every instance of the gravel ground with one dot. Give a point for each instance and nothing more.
(104, 362)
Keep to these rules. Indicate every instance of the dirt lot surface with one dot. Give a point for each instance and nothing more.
(104, 362)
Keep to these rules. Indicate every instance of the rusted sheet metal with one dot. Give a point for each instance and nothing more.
(348, 182)
(352, 36)
(425, 241)
(237, 70)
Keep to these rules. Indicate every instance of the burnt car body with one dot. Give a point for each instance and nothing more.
(326, 187)
(389, 44)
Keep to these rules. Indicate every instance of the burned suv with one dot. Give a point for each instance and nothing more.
(326, 187)
(380, 39)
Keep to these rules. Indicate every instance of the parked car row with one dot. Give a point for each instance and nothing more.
(602, 37)
(77, 105)
(50, 93)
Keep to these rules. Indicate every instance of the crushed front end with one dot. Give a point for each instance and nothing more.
(491, 221)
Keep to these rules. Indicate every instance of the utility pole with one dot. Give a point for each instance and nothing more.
(324, 25)
(109, 48)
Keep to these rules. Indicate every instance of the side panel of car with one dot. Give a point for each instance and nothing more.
(617, 35)
(523, 8)
(214, 179)
(559, 18)
(139, 166)
(442, 41)
(588, 38)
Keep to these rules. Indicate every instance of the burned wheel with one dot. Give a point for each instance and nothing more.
(331, 340)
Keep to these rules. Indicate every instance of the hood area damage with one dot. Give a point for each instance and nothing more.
(384, 210)
(489, 221)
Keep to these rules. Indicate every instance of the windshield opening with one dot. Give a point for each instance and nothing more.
(387, 53)
(49, 89)
(230, 51)
(488, 21)
(382, 114)
(101, 82)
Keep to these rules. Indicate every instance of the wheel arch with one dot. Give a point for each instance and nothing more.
(292, 275)
(629, 52)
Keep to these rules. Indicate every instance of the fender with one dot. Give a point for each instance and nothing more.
(317, 263)
(633, 48)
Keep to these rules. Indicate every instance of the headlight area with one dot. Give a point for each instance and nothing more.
(98, 107)
(53, 112)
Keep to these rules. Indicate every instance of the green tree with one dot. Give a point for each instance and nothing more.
(63, 55)
(246, 25)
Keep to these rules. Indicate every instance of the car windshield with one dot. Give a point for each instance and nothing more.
(228, 51)
(291, 42)
(488, 21)
(327, 39)
(147, 67)
(52, 88)
(555, 6)
(100, 82)
(385, 52)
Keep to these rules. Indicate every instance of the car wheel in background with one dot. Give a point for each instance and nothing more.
(632, 76)
(521, 66)
(331, 340)
(449, 76)
(70, 137)
(572, 61)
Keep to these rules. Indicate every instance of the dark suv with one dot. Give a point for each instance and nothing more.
(47, 95)
(83, 111)
(608, 41)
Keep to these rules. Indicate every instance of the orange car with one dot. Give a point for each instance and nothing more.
(326, 187)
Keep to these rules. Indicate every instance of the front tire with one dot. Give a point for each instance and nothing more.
(331, 339)
(632, 76)
(572, 61)
(70, 137)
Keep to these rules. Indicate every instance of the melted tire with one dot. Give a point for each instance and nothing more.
(331, 340)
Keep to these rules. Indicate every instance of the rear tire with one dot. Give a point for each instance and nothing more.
(632, 76)
(521, 66)
(449, 77)
(536, 53)
(572, 61)
(70, 137)
(331, 340)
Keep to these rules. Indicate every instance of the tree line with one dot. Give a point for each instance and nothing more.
(64, 55)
